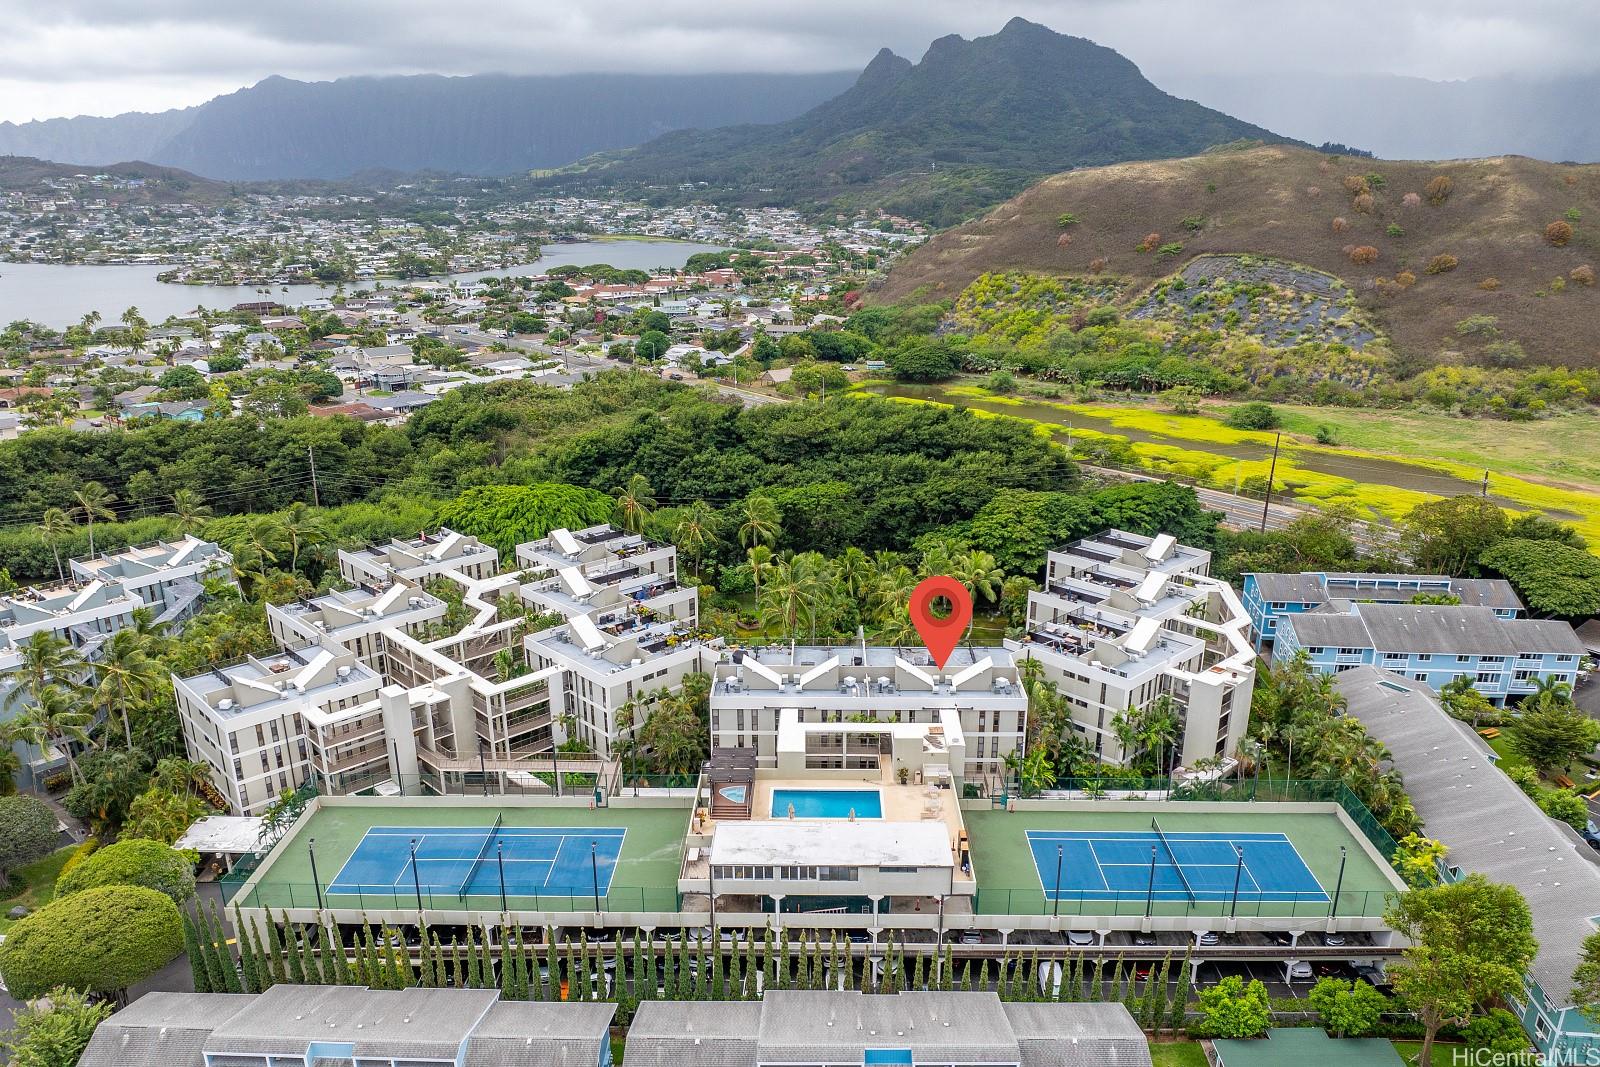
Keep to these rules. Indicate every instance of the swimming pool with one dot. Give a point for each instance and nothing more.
(827, 803)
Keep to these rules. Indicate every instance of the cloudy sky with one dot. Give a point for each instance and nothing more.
(102, 57)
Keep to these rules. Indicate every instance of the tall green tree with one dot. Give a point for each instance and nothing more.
(93, 501)
(1470, 944)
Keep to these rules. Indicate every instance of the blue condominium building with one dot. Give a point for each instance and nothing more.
(1434, 645)
(1268, 597)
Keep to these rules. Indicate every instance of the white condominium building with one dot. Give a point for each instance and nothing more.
(1125, 620)
(264, 724)
(420, 558)
(852, 707)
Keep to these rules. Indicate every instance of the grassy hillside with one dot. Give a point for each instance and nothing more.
(1512, 296)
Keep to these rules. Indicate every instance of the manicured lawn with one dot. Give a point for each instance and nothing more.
(34, 885)
(1177, 1054)
(1442, 1054)
(616, 1050)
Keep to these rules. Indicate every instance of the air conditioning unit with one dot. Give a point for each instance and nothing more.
(225, 704)
(343, 672)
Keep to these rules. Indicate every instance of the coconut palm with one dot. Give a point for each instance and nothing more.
(94, 502)
(190, 509)
(795, 590)
(760, 520)
(696, 532)
(52, 525)
(303, 530)
(125, 674)
(978, 571)
(634, 503)
(44, 660)
(759, 556)
(57, 717)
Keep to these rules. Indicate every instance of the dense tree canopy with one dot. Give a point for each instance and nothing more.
(27, 831)
(134, 861)
(1553, 578)
(98, 941)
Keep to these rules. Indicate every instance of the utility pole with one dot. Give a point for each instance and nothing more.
(1271, 474)
(312, 456)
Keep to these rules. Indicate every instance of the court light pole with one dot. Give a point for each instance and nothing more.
(483, 772)
(316, 882)
(1238, 873)
(500, 864)
(1333, 907)
(1150, 890)
(1055, 911)
(594, 869)
(416, 880)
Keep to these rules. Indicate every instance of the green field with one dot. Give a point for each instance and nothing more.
(1382, 463)
(645, 879)
(1008, 882)
(33, 885)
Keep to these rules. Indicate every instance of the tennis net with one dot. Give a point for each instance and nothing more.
(483, 853)
(1173, 856)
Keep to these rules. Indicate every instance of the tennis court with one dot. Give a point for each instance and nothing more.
(1171, 866)
(468, 861)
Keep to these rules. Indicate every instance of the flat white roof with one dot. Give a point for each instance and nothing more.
(833, 842)
(233, 835)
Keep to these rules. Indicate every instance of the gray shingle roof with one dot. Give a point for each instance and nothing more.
(161, 1030)
(692, 1034)
(1290, 588)
(1434, 629)
(424, 1023)
(1090, 1035)
(1488, 823)
(517, 1033)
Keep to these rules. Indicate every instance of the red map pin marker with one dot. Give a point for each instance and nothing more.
(940, 635)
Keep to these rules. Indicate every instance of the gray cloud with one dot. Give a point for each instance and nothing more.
(107, 56)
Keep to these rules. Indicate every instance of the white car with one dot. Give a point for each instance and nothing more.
(1300, 971)
(1080, 937)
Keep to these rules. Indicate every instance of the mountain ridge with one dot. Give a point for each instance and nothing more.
(483, 124)
(1006, 109)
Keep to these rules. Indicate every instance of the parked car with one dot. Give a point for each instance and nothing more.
(971, 937)
(1080, 937)
(1334, 940)
(1144, 939)
(1300, 971)
(1209, 938)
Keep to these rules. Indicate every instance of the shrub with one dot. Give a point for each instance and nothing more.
(1363, 254)
(98, 941)
(1232, 1009)
(1064, 240)
(1558, 233)
(1313, 191)
(1439, 189)
(1348, 1009)
(28, 831)
(1097, 265)
(1151, 240)
(1411, 200)
(1175, 248)
(54, 1030)
(1065, 219)
(1405, 279)
(1253, 416)
(1489, 285)
(1443, 263)
(1394, 229)
(1002, 382)
(79, 854)
(136, 861)
(1583, 275)
(1363, 203)
(1340, 224)
(1194, 222)
(1356, 184)
(1498, 1031)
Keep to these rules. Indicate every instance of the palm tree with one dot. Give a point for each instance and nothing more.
(125, 674)
(856, 572)
(303, 530)
(696, 532)
(190, 509)
(634, 503)
(45, 660)
(797, 588)
(892, 590)
(762, 522)
(978, 571)
(759, 556)
(52, 524)
(94, 502)
(56, 716)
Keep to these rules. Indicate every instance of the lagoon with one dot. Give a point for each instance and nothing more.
(58, 295)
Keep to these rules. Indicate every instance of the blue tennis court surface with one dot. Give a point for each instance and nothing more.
(551, 862)
(1115, 864)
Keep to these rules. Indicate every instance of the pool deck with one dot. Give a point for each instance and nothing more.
(1009, 880)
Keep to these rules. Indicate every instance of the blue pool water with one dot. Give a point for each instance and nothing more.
(887, 1055)
(827, 803)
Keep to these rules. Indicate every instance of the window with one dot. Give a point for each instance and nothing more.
(1316, 650)
(1486, 677)
(1424, 657)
